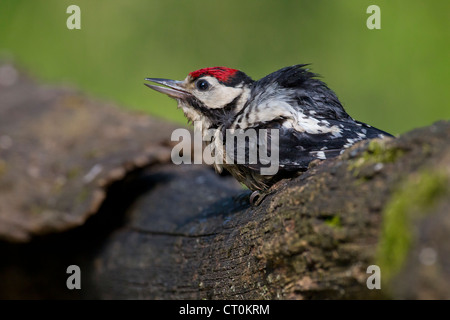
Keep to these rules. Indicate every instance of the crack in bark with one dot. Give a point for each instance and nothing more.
(171, 234)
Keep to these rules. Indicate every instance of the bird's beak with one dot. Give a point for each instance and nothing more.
(172, 88)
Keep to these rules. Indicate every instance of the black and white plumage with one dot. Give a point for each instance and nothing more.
(310, 120)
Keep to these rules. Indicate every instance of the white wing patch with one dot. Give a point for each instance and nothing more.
(315, 126)
(321, 155)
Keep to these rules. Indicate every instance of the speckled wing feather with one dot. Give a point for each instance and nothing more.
(297, 149)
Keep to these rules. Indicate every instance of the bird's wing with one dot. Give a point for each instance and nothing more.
(293, 150)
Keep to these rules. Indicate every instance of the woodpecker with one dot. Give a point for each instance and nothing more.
(311, 121)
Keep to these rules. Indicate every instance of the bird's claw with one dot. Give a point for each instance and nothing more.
(257, 197)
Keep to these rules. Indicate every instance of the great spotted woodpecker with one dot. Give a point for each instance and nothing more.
(311, 122)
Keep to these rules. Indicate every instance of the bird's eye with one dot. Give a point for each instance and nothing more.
(202, 85)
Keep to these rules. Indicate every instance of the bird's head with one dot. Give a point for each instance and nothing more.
(211, 95)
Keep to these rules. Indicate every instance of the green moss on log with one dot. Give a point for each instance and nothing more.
(334, 222)
(377, 152)
(411, 201)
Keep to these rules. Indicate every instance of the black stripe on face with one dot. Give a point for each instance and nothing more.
(231, 106)
(217, 116)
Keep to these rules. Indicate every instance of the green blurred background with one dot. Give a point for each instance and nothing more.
(396, 78)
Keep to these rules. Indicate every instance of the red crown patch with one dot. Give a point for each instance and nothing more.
(223, 74)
